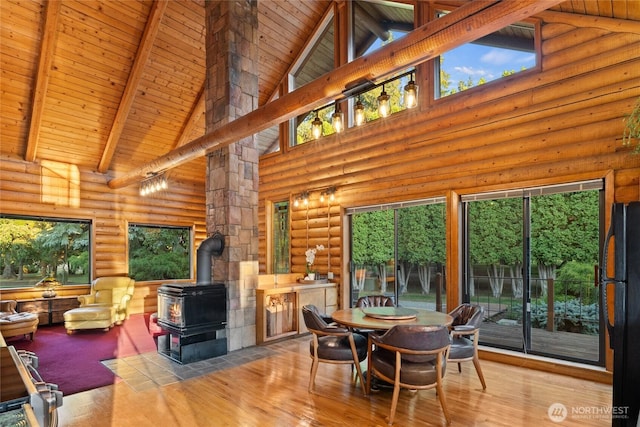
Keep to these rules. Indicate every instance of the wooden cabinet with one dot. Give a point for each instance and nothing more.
(279, 310)
(49, 310)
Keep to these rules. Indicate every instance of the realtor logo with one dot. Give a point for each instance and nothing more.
(557, 412)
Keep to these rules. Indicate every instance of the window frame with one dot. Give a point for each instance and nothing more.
(90, 246)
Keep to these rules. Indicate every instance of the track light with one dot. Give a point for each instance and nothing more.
(156, 182)
(328, 193)
(384, 109)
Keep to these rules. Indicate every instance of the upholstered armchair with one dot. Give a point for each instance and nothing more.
(115, 292)
(13, 324)
(333, 344)
(411, 357)
(106, 305)
(374, 301)
(465, 331)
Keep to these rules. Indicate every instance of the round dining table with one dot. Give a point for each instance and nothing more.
(384, 318)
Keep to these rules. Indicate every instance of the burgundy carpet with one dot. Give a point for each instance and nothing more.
(73, 361)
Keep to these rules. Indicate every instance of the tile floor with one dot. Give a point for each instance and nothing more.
(151, 370)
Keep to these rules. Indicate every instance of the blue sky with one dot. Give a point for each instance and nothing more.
(484, 61)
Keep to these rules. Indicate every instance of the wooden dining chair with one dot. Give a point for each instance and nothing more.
(411, 357)
(372, 301)
(465, 332)
(333, 344)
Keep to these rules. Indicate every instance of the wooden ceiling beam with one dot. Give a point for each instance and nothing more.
(142, 55)
(49, 37)
(192, 121)
(463, 25)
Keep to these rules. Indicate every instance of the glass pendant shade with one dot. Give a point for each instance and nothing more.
(411, 94)
(384, 106)
(316, 127)
(337, 120)
(358, 113)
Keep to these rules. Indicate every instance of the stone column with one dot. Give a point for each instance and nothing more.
(232, 172)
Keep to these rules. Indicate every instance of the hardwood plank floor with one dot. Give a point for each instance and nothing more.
(267, 386)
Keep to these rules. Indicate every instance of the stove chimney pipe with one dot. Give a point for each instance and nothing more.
(213, 245)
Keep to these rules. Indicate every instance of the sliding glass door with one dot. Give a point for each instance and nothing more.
(532, 258)
(399, 250)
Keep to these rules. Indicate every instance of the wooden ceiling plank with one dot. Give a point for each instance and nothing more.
(144, 50)
(49, 35)
(463, 25)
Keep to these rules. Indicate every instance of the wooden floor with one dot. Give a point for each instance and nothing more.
(271, 390)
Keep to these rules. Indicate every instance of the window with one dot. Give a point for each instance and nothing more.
(373, 24)
(500, 54)
(399, 250)
(281, 238)
(35, 248)
(159, 252)
(318, 61)
(530, 256)
(376, 24)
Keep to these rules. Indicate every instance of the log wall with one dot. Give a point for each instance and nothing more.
(60, 190)
(559, 123)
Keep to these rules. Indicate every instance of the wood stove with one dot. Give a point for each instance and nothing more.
(194, 315)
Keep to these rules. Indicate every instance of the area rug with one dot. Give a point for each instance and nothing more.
(73, 361)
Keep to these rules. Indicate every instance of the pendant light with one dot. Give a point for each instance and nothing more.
(337, 119)
(358, 113)
(316, 127)
(411, 94)
(384, 108)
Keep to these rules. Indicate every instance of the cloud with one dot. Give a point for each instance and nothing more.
(470, 71)
(497, 57)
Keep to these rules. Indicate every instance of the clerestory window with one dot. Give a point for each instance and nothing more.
(500, 54)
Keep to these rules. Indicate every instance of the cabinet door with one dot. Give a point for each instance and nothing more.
(331, 300)
(60, 305)
(310, 296)
(39, 307)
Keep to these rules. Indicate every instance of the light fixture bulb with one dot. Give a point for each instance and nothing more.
(316, 127)
(384, 108)
(337, 120)
(358, 113)
(411, 94)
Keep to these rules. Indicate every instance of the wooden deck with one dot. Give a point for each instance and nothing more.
(561, 344)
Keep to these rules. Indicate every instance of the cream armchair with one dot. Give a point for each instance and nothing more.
(107, 304)
(110, 291)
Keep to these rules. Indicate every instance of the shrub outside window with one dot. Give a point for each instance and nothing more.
(159, 252)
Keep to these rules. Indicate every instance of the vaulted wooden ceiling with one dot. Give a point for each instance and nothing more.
(109, 85)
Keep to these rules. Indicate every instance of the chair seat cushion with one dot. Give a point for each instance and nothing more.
(461, 348)
(338, 348)
(423, 373)
(95, 312)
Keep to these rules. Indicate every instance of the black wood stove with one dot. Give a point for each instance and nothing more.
(194, 315)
